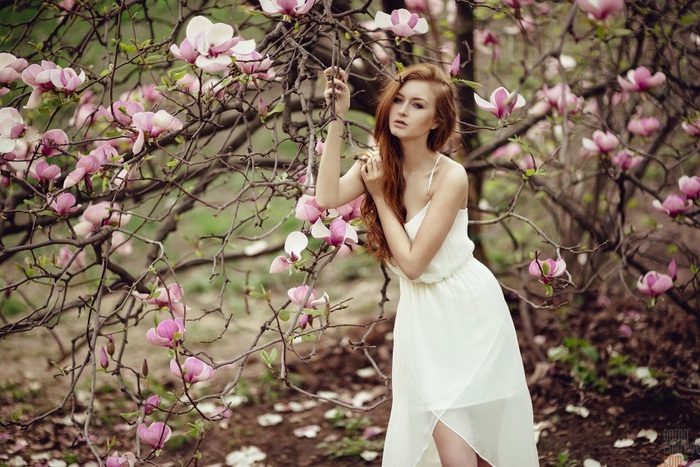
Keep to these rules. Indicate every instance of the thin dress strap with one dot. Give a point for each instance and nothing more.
(432, 172)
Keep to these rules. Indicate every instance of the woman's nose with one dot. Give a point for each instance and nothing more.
(402, 109)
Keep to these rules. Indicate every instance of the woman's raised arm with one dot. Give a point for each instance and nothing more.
(332, 190)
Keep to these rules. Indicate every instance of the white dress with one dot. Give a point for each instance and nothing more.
(456, 359)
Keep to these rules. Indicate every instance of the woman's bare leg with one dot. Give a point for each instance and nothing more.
(453, 450)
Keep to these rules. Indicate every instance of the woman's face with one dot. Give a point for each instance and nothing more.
(412, 113)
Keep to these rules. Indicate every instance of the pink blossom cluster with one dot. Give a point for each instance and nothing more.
(559, 98)
(98, 215)
(675, 205)
(10, 69)
(50, 77)
(212, 47)
(305, 297)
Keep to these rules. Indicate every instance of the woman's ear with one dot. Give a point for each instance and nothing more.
(435, 124)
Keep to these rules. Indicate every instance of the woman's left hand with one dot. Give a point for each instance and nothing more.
(372, 172)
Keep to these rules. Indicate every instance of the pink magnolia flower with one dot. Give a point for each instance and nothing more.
(64, 256)
(286, 7)
(296, 243)
(501, 102)
(189, 84)
(213, 41)
(42, 171)
(54, 142)
(10, 67)
(307, 209)
(39, 78)
(673, 205)
(105, 153)
(517, 3)
(488, 42)
(643, 126)
(104, 359)
(401, 22)
(262, 107)
(603, 142)
(351, 210)
(673, 269)
(339, 232)
(85, 111)
(625, 159)
(121, 111)
(507, 151)
(654, 284)
(166, 297)
(152, 403)
(193, 370)
(186, 52)
(85, 167)
(561, 98)
(692, 128)
(11, 128)
(48, 77)
(168, 333)
(98, 215)
(64, 204)
(690, 186)
(454, 67)
(601, 9)
(548, 269)
(155, 435)
(66, 79)
(126, 460)
(433, 7)
(154, 124)
(640, 79)
(298, 295)
(253, 63)
(149, 94)
(320, 146)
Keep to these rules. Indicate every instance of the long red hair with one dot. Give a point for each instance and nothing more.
(390, 149)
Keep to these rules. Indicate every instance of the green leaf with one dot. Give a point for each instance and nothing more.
(284, 315)
(127, 48)
(270, 358)
(308, 338)
(471, 84)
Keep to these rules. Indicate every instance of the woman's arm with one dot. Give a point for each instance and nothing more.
(332, 190)
(413, 257)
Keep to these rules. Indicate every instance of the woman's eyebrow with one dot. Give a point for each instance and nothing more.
(413, 98)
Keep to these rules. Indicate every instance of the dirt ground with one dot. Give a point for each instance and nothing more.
(621, 401)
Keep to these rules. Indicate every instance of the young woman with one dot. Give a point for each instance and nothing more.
(458, 384)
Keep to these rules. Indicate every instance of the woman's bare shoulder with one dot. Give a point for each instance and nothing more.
(453, 174)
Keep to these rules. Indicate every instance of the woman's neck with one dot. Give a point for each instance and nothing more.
(418, 159)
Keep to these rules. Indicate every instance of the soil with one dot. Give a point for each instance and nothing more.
(620, 404)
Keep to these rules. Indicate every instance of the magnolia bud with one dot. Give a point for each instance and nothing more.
(144, 367)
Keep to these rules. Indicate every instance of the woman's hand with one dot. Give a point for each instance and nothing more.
(337, 91)
(372, 171)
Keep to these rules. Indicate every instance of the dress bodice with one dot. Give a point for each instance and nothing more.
(455, 249)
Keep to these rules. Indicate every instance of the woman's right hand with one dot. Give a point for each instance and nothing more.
(337, 90)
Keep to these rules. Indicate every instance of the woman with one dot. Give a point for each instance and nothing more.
(459, 391)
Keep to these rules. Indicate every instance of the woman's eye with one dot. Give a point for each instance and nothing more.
(418, 106)
(397, 100)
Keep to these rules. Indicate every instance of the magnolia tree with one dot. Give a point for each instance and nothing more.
(122, 123)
